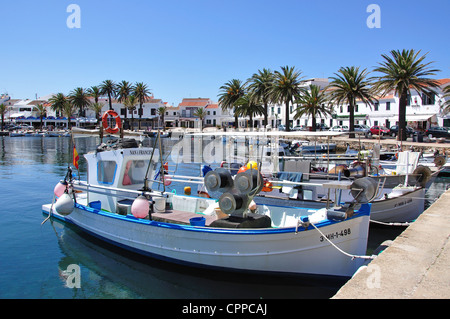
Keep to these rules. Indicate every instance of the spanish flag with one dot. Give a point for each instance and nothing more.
(75, 156)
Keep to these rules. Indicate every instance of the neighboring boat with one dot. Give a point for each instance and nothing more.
(116, 205)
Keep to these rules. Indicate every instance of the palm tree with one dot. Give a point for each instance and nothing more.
(312, 102)
(446, 95)
(79, 99)
(123, 90)
(41, 111)
(201, 114)
(230, 93)
(286, 87)
(3, 109)
(249, 106)
(68, 110)
(401, 72)
(95, 92)
(142, 93)
(58, 101)
(130, 104)
(260, 85)
(97, 108)
(161, 113)
(108, 87)
(347, 86)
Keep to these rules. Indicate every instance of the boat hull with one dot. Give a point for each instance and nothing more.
(287, 250)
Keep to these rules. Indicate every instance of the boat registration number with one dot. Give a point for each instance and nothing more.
(337, 234)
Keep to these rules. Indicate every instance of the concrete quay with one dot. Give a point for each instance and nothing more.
(416, 265)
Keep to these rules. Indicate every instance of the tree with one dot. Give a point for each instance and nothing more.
(3, 109)
(161, 112)
(80, 100)
(142, 93)
(68, 110)
(402, 72)
(230, 92)
(347, 86)
(248, 106)
(123, 90)
(108, 87)
(260, 85)
(285, 88)
(41, 111)
(446, 96)
(58, 101)
(312, 102)
(95, 92)
(201, 114)
(130, 104)
(97, 108)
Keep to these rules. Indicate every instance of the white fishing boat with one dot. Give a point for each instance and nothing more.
(116, 204)
(401, 190)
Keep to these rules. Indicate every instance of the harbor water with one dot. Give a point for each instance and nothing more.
(36, 259)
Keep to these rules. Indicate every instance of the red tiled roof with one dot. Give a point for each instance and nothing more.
(212, 106)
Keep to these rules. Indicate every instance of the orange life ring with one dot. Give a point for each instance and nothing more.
(106, 125)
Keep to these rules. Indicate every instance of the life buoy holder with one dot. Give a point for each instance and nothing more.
(106, 125)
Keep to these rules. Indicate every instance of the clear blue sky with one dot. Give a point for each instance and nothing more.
(189, 48)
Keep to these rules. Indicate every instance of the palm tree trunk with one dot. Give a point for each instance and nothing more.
(288, 127)
(140, 114)
(402, 116)
(266, 120)
(313, 123)
(110, 103)
(351, 126)
(236, 124)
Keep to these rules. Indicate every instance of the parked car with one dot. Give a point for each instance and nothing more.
(281, 127)
(299, 128)
(321, 127)
(339, 128)
(393, 131)
(379, 130)
(437, 131)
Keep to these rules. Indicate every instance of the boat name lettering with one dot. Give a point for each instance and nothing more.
(141, 152)
(409, 200)
(337, 234)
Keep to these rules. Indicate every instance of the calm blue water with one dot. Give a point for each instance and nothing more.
(33, 258)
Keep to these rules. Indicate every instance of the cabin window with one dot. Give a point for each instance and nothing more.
(134, 172)
(106, 170)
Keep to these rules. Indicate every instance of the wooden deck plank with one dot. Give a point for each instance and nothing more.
(180, 217)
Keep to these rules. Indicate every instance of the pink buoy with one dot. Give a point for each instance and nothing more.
(167, 180)
(60, 188)
(140, 207)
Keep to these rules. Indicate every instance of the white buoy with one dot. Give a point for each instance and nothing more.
(64, 205)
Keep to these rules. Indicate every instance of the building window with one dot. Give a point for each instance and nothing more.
(376, 106)
(214, 112)
(388, 106)
(428, 99)
(341, 109)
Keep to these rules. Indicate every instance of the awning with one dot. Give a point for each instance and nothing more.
(418, 117)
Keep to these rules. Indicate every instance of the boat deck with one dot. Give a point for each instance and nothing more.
(180, 217)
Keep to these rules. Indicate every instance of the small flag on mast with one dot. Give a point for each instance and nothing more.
(75, 156)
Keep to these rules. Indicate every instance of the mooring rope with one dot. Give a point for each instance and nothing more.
(390, 224)
(340, 250)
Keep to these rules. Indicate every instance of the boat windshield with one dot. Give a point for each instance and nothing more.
(135, 172)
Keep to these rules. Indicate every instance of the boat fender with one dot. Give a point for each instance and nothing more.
(64, 205)
(60, 188)
(140, 207)
(106, 125)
